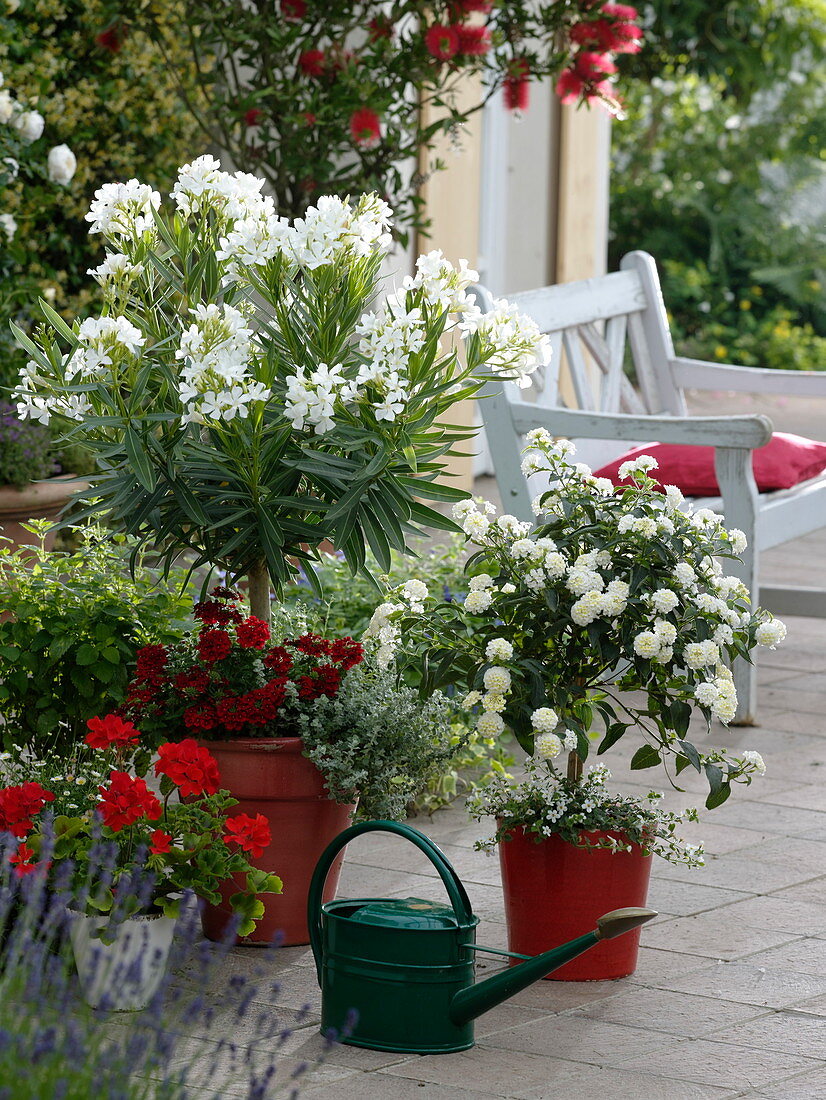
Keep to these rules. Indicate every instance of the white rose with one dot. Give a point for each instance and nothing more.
(6, 106)
(8, 225)
(61, 164)
(29, 124)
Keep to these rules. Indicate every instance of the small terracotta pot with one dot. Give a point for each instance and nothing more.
(37, 500)
(271, 776)
(554, 892)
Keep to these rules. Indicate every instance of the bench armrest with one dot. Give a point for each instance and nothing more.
(698, 374)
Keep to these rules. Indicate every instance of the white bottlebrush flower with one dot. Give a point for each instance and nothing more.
(512, 344)
(770, 633)
(498, 649)
(647, 644)
(664, 600)
(61, 164)
(490, 724)
(545, 720)
(547, 746)
(497, 679)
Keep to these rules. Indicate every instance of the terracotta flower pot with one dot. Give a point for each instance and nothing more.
(270, 776)
(555, 891)
(37, 500)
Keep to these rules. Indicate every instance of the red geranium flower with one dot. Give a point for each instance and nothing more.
(252, 834)
(190, 766)
(22, 860)
(160, 843)
(214, 645)
(365, 127)
(126, 800)
(442, 41)
(111, 730)
(311, 62)
(252, 633)
(19, 804)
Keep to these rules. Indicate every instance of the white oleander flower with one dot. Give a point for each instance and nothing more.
(61, 164)
(545, 720)
(116, 268)
(546, 746)
(770, 633)
(647, 644)
(755, 761)
(497, 679)
(123, 209)
(498, 649)
(490, 724)
(664, 600)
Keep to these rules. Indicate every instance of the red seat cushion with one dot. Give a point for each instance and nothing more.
(786, 460)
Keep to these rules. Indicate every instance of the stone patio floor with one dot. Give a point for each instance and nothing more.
(729, 998)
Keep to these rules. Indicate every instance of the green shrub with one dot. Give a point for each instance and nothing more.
(74, 621)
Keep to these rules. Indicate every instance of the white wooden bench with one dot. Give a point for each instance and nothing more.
(591, 322)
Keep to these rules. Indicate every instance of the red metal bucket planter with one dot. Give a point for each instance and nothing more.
(553, 890)
(270, 776)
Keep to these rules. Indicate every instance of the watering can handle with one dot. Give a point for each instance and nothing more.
(455, 890)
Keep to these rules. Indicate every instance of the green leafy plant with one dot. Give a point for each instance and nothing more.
(25, 449)
(127, 851)
(246, 395)
(72, 625)
(317, 97)
(613, 611)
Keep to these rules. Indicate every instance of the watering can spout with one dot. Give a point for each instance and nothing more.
(469, 1003)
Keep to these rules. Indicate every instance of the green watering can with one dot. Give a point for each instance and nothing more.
(405, 967)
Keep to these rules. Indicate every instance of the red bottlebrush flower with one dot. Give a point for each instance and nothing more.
(309, 118)
(379, 27)
(516, 85)
(312, 62)
(22, 860)
(278, 659)
(346, 652)
(604, 36)
(252, 116)
(293, 10)
(442, 41)
(111, 730)
(465, 7)
(474, 41)
(126, 800)
(160, 843)
(621, 11)
(113, 38)
(593, 66)
(214, 645)
(200, 717)
(151, 662)
(570, 86)
(252, 633)
(586, 78)
(191, 767)
(19, 804)
(365, 127)
(252, 834)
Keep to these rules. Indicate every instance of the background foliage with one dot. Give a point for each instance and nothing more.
(114, 102)
(719, 172)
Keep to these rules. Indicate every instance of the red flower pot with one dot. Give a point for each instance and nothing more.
(270, 776)
(555, 891)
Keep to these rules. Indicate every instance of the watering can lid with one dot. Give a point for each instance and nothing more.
(413, 913)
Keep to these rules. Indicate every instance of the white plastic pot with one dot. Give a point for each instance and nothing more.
(126, 973)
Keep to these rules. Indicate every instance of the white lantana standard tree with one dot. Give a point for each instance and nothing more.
(245, 394)
(614, 611)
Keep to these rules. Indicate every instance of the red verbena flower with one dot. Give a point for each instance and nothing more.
(252, 834)
(191, 767)
(293, 10)
(195, 680)
(365, 127)
(345, 652)
(111, 730)
(202, 716)
(19, 804)
(214, 645)
(311, 62)
(126, 800)
(474, 41)
(278, 659)
(160, 842)
(442, 41)
(252, 633)
(151, 662)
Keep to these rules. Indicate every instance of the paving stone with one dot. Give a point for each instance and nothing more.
(792, 1031)
(381, 1086)
(806, 1086)
(676, 1013)
(812, 892)
(569, 1037)
(684, 898)
(715, 935)
(592, 1083)
(746, 984)
(741, 872)
(655, 966)
(806, 955)
(781, 913)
